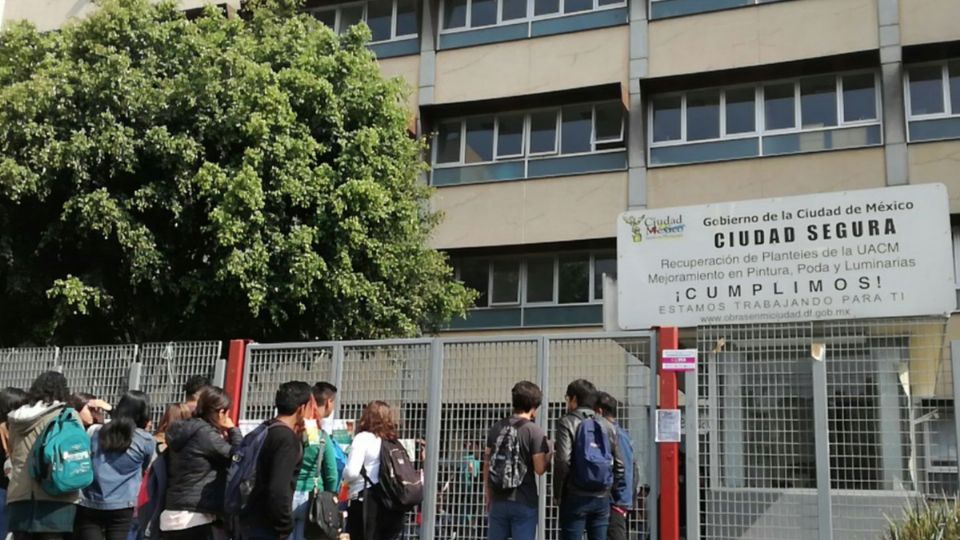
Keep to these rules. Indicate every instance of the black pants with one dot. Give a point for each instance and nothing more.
(93, 524)
(618, 526)
(39, 536)
(377, 523)
(203, 532)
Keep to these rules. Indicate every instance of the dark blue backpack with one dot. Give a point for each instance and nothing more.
(242, 475)
(592, 459)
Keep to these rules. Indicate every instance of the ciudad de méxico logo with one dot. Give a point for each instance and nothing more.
(655, 228)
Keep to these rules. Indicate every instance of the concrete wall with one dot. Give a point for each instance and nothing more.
(531, 211)
(937, 162)
(408, 68)
(927, 21)
(52, 14)
(532, 66)
(766, 177)
(762, 34)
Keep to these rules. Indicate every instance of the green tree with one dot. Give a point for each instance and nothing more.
(165, 178)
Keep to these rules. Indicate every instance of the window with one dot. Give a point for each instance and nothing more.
(460, 15)
(933, 100)
(506, 282)
(603, 264)
(926, 90)
(579, 128)
(540, 272)
(475, 274)
(765, 119)
(388, 19)
(660, 9)
(574, 279)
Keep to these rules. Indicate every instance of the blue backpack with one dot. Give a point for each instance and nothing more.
(592, 459)
(242, 475)
(60, 459)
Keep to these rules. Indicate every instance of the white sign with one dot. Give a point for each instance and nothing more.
(668, 425)
(873, 253)
(679, 360)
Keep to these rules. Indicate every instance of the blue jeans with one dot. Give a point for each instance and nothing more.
(300, 500)
(4, 519)
(509, 519)
(579, 513)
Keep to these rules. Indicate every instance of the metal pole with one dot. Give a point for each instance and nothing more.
(669, 452)
(133, 381)
(692, 464)
(955, 363)
(339, 357)
(822, 442)
(432, 473)
(652, 502)
(543, 380)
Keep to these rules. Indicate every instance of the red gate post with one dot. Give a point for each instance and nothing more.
(233, 382)
(669, 338)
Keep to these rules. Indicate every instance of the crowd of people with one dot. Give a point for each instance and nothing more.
(195, 476)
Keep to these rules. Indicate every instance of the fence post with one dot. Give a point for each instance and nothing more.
(651, 504)
(233, 384)
(543, 380)
(692, 463)
(339, 357)
(821, 438)
(434, 412)
(133, 381)
(669, 338)
(219, 372)
(955, 375)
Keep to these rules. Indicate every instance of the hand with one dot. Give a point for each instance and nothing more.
(225, 421)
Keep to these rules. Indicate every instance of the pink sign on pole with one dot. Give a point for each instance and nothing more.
(679, 360)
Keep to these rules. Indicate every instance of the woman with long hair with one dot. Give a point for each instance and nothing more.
(175, 412)
(122, 450)
(367, 518)
(199, 452)
(11, 399)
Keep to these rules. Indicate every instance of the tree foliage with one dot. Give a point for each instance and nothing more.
(165, 178)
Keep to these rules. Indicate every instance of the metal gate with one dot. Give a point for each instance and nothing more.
(448, 392)
(821, 430)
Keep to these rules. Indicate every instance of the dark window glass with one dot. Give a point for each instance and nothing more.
(479, 140)
(513, 9)
(506, 282)
(609, 2)
(483, 13)
(574, 6)
(545, 7)
(741, 110)
(350, 16)
(448, 142)
(454, 13)
(778, 106)
(327, 17)
(576, 129)
(926, 90)
(859, 98)
(543, 132)
(666, 118)
(406, 17)
(574, 279)
(818, 102)
(510, 135)
(540, 279)
(954, 74)
(602, 264)
(380, 19)
(703, 115)
(475, 273)
(609, 122)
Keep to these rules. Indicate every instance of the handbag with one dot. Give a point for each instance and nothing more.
(324, 520)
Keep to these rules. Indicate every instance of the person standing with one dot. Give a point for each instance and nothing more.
(367, 517)
(319, 468)
(11, 399)
(584, 506)
(624, 491)
(122, 450)
(268, 512)
(516, 452)
(175, 412)
(33, 513)
(192, 389)
(199, 451)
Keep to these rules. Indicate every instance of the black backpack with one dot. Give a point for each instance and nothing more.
(507, 468)
(401, 486)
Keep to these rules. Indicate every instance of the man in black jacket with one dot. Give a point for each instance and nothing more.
(268, 514)
(582, 509)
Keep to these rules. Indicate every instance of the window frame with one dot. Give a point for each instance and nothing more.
(529, 18)
(338, 9)
(760, 129)
(948, 111)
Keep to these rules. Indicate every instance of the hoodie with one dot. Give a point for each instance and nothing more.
(26, 425)
(199, 457)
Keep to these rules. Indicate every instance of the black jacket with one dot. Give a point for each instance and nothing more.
(566, 432)
(199, 459)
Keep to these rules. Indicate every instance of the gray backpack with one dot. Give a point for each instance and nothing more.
(507, 468)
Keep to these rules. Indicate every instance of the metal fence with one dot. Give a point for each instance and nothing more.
(448, 392)
(107, 371)
(821, 430)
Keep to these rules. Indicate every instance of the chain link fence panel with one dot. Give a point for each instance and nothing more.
(19, 367)
(101, 370)
(165, 367)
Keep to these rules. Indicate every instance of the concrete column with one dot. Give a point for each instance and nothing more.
(636, 133)
(428, 51)
(890, 419)
(891, 76)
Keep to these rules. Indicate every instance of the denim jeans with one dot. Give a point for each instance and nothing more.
(300, 500)
(579, 513)
(509, 519)
(3, 514)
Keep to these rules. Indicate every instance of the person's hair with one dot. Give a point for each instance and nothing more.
(584, 391)
(11, 399)
(211, 401)
(194, 385)
(377, 418)
(291, 396)
(607, 404)
(174, 413)
(82, 399)
(132, 412)
(323, 392)
(48, 387)
(526, 396)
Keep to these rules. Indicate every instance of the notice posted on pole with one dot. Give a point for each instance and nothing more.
(668, 426)
(679, 360)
